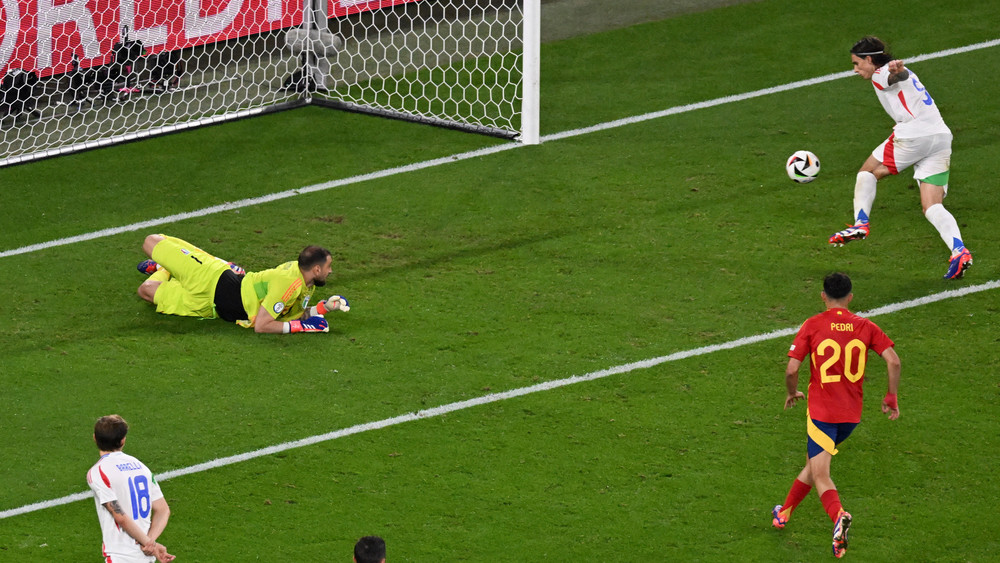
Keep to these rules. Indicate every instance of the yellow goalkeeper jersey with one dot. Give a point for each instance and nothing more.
(281, 291)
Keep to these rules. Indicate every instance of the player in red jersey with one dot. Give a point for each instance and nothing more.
(838, 342)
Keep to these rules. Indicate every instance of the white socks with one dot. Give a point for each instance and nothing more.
(941, 218)
(864, 196)
(946, 225)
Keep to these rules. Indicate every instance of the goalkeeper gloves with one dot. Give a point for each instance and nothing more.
(332, 304)
(312, 324)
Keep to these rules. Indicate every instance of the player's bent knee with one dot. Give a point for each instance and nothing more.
(148, 289)
(151, 242)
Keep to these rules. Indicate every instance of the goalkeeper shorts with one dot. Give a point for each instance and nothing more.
(194, 275)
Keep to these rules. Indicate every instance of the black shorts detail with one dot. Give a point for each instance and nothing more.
(228, 301)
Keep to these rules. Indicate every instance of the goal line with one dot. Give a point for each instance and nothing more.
(240, 204)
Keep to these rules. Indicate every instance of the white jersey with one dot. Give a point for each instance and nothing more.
(909, 104)
(119, 476)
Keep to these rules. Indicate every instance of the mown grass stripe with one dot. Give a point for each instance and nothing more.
(502, 396)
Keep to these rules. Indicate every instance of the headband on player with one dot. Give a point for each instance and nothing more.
(869, 54)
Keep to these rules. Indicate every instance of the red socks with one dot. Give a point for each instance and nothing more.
(796, 494)
(831, 503)
(799, 491)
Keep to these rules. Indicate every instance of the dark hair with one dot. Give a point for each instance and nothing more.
(369, 549)
(313, 255)
(109, 431)
(837, 285)
(871, 46)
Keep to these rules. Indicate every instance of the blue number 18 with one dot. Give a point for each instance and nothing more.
(138, 488)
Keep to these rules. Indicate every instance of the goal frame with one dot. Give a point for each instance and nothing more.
(313, 13)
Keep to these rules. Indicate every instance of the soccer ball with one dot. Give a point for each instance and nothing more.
(803, 166)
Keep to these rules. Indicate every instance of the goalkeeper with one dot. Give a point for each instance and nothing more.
(185, 280)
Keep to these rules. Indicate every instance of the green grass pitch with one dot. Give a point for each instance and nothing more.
(512, 269)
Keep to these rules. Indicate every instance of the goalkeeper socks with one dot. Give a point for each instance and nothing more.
(796, 494)
(831, 503)
(946, 226)
(864, 196)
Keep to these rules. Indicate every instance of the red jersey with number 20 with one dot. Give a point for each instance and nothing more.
(838, 342)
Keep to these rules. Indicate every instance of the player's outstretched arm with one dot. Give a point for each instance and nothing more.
(890, 404)
(265, 323)
(792, 383)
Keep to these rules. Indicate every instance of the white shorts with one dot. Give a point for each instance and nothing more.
(929, 156)
(119, 558)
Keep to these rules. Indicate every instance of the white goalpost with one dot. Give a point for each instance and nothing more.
(81, 74)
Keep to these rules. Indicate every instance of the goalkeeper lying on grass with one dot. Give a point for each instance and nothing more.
(187, 281)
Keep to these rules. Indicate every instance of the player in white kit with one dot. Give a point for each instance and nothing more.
(130, 505)
(920, 139)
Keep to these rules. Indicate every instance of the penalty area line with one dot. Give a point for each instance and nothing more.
(502, 396)
(243, 203)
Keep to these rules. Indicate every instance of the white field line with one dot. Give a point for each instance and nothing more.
(496, 397)
(151, 223)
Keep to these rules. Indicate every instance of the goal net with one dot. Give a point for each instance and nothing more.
(81, 74)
